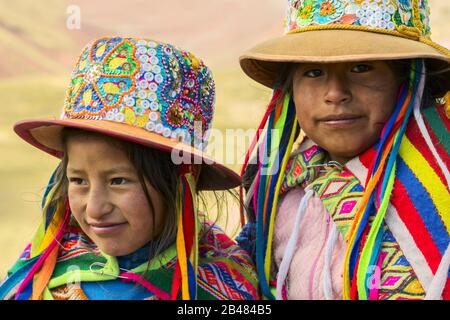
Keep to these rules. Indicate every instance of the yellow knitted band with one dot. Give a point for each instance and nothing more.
(416, 15)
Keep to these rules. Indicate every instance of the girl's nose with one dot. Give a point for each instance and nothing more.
(337, 89)
(98, 203)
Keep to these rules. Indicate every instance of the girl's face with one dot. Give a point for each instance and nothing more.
(343, 106)
(107, 198)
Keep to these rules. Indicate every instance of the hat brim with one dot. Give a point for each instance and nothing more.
(262, 62)
(46, 135)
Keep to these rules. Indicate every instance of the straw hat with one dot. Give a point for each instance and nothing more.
(142, 91)
(349, 30)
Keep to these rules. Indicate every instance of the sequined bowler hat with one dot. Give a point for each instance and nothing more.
(349, 30)
(142, 91)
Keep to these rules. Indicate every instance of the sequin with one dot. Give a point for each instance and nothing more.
(144, 58)
(143, 84)
(159, 128)
(168, 50)
(119, 117)
(139, 110)
(150, 126)
(129, 102)
(110, 115)
(154, 60)
(156, 69)
(154, 106)
(391, 9)
(166, 132)
(190, 83)
(153, 116)
(159, 78)
(147, 66)
(153, 87)
(149, 76)
(141, 50)
(145, 104)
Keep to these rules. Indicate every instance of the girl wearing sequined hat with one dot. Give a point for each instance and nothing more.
(121, 216)
(360, 208)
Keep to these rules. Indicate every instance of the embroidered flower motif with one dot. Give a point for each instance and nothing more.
(403, 16)
(328, 11)
(105, 74)
(305, 13)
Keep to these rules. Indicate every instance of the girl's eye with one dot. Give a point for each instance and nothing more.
(314, 73)
(360, 68)
(77, 181)
(118, 181)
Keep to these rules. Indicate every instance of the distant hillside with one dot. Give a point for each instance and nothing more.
(34, 37)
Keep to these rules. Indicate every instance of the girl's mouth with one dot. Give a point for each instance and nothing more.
(106, 229)
(340, 121)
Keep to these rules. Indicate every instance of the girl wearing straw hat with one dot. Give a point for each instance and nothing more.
(360, 208)
(121, 216)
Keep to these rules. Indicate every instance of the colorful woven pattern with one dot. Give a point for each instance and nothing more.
(225, 270)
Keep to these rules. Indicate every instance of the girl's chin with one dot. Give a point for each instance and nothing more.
(343, 155)
(115, 252)
(344, 146)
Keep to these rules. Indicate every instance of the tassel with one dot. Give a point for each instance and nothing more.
(185, 276)
(447, 104)
(271, 166)
(24, 292)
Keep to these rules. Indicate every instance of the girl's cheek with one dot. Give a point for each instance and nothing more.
(75, 203)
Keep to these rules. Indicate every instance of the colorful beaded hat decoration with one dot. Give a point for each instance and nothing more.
(349, 30)
(148, 93)
(141, 91)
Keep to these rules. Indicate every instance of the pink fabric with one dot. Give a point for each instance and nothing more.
(305, 277)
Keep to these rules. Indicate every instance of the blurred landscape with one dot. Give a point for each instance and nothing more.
(39, 49)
